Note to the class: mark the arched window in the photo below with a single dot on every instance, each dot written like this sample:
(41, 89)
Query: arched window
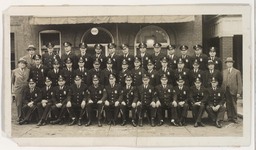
(150, 35)
(52, 36)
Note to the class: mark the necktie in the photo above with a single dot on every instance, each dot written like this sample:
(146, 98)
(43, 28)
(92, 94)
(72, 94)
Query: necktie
(31, 90)
(61, 87)
(47, 88)
(212, 58)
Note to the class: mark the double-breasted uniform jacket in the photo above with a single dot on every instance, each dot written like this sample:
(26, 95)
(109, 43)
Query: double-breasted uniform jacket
(106, 72)
(114, 93)
(169, 73)
(216, 74)
(54, 75)
(193, 74)
(172, 61)
(32, 96)
(187, 61)
(69, 75)
(144, 59)
(202, 60)
(153, 76)
(102, 59)
(83, 72)
(157, 60)
(73, 57)
(137, 76)
(92, 73)
(217, 62)
(87, 60)
(198, 95)
(129, 59)
(48, 60)
(19, 80)
(146, 95)
(38, 73)
(130, 95)
(182, 94)
(115, 59)
(122, 75)
(96, 93)
(78, 94)
(184, 73)
(48, 93)
(165, 95)
(61, 95)
(216, 97)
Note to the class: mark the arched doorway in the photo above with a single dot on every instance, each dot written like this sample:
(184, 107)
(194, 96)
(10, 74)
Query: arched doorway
(52, 36)
(97, 35)
(149, 35)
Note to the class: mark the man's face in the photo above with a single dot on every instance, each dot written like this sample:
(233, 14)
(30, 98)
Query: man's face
(50, 50)
(150, 67)
(164, 81)
(197, 84)
(98, 51)
(157, 49)
(164, 64)
(96, 66)
(112, 80)
(48, 83)
(56, 66)
(32, 85)
(143, 49)
(198, 51)
(214, 84)
(229, 64)
(95, 81)
(21, 65)
(195, 66)
(180, 65)
(69, 65)
(212, 54)
(184, 52)
(82, 50)
(128, 81)
(111, 50)
(109, 66)
(145, 81)
(78, 82)
(125, 51)
(61, 82)
(67, 48)
(37, 61)
(124, 66)
(211, 66)
(180, 83)
(136, 63)
(81, 64)
(31, 52)
(170, 52)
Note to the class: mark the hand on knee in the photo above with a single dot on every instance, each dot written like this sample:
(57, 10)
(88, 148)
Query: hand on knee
(107, 103)
(133, 105)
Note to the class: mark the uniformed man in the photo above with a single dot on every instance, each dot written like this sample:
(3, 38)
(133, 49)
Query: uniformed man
(182, 92)
(38, 71)
(60, 98)
(216, 100)
(167, 71)
(49, 57)
(137, 72)
(185, 58)
(152, 73)
(68, 72)
(212, 72)
(44, 106)
(127, 56)
(31, 96)
(196, 73)
(157, 56)
(55, 73)
(123, 73)
(143, 55)
(146, 101)
(96, 96)
(81, 70)
(107, 71)
(115, 59)
(198, 100)
(29, 57)
(86, 57)
(216, 60)
(182, 71)
(95, 71)
(129, 100)
(99, 56)
(201, 58)
(69, 54)
(112, 102)
(166, 99)
(77, 102)
(172, 57)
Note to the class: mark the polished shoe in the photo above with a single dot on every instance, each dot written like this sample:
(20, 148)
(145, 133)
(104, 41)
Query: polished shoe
(88, 123)
(72, 122)
(196, 124)
(123, 123)
(61, 122)
(180, 124)
(99, 124)
(55, 121)
(140, 123)
(174, 123)
(235, 121)
(79, 122)
(134, 124)
(153, 122)
(218, 124)
(201, 124)
(114, 122)
(23, 122)
(110, 122)
(40, 123)
(161, 122)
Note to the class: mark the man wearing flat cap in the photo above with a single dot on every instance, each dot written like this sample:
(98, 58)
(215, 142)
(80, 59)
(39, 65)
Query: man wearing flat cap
(143, 55)
(115, 59)
(172, 57)
(55, 72)
(68, 53)
(185, 57)
(38, 71)
(49, 56)
(29, 56)
(200, 57)
(212, 72)
(232, 85)
(99, 56)
(137, 72)
(157, 56)
(216, 60)
(86, 56)
(127, 56)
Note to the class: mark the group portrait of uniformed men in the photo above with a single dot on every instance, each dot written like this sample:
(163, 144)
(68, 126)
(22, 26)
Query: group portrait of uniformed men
(119, 89)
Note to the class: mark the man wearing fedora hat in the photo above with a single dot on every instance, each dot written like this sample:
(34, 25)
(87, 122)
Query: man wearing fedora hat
(232, 85)
(29, 57)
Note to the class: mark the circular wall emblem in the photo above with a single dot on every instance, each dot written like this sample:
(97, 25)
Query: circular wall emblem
(94, 31)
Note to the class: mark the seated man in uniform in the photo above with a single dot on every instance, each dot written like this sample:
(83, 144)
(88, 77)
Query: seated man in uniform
(146, 101)
(31, 96)
(216, 100)
(76, 103)
(166, 100)
(129, 100)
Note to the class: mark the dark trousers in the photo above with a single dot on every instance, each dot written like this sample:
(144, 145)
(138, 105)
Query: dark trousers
(28, 111)
(151, 112)
(112, 112)
(172, 111)
(197, 112)
(182, 112)
(231, 104)
(216, 116)
(75, 111)
(90, 107)
(125, 112)
(59, 112)
(43, 111)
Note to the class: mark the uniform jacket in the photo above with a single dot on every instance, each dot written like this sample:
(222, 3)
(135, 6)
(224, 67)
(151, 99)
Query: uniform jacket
(69, 75)
(144, 60)
(169, 73)
(154, 77)
(187, 61)
(61, 95)
(87, 60)
(48, 60)
(122, 75)
(217, 63)
(216, 97)
(202, 59)
(172, 61)
(34, 96)
(102, 59)
(130, 60)
(157, 60)
(93, 72)
(106, 74)
(78, 94)
(96, 93)
(184, 74)
(115, 61)
(114, 93)
(54, 76)
(165, 95)
(71, 55)
(83, 73)
(198, 95)
(193, 75)
(235, 84)
(19, 80)
(216, 74)
(39, 74)
(182, 94)
(137, 76)
(48, 94)
(146, 95)
(130, 95)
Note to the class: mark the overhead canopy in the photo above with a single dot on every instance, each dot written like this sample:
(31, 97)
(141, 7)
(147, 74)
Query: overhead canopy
(111, 19)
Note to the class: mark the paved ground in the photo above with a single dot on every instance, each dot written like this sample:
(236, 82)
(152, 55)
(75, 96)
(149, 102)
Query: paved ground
(31, 130)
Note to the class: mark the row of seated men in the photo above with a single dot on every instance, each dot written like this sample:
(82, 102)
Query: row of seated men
(80, 99)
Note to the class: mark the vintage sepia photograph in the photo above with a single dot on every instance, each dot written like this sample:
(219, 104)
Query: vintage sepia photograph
(128, 75)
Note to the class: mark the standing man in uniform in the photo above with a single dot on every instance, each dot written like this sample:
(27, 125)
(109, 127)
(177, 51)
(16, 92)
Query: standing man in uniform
(185, 58)
(127, 56)
(196, 73)
(123, 73)
(68, 72)
(86, 57)
(212, 72)
(201, 58)
(49, 57)
(143, 55)
(232, 85)
(69, 54)
(172, 57)
(109, 70)
(115, 59)
(29, 57)
(152, 73)
(216, 100)
(167, 71)
(96, 96)
(137, 72)
(99, 56)
(81, 70)
(216, 60)
(95, 71)
(183, 72)
(157, 56)
(55, 72)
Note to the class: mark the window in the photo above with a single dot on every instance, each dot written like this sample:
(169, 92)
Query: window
(12, 51)
(52, 36)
